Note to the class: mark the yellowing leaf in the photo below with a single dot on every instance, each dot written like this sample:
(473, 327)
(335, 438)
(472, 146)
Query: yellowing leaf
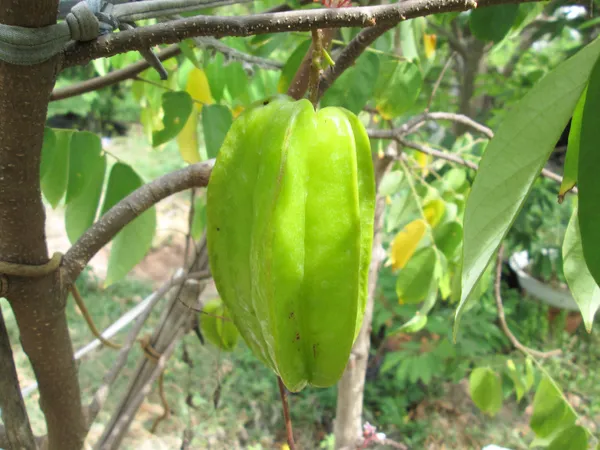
(406, 241)
(429, 40)
(198, 87)
(187, 139)
(423, 159)
(434, 211)
(285, 447)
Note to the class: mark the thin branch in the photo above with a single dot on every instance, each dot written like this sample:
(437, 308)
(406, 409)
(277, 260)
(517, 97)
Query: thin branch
(454, 42)
(511, 337)
(399, 134)
(101, 233)
(125, 417)
(352, 51)
(302, 20)
(111, 78)
(14, 415)
(102, 392)
(439, 80)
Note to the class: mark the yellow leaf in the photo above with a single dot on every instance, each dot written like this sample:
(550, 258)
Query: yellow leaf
(423, 159)
(429, 40)
(285, 447)
(187, 139)
(198, 88)
(434, 211)
(406, 241)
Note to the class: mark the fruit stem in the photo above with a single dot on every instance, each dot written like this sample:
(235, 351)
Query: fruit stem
(286, 415)
(315, 67)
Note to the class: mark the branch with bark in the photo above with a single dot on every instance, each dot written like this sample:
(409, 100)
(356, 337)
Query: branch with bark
(279, 22)
(399, 135)
(502, 318)
(106, 228)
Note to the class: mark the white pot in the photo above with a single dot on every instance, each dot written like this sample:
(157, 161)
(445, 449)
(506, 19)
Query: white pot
(558, 297)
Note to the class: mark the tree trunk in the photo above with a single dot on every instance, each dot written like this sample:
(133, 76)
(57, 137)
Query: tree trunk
(348, 417)
(38, 303)
(471, 67)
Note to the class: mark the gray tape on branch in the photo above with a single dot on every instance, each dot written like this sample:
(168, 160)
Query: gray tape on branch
(85, 21)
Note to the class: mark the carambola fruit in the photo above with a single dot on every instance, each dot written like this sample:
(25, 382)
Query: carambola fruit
(290, 210)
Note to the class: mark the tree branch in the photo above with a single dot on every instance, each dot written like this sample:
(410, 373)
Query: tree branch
(399, 133)
(111, 78)
(501, 317)
(100, 234)
(169, 32)
(17, 428)
(352, 51)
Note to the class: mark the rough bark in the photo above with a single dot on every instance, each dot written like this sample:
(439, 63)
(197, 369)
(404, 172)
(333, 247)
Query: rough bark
(348, 418)
(471, 68)
(17, 433)
(37, 302)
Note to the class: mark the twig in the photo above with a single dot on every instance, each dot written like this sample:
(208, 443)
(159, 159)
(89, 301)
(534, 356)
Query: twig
(111, 78)
(315, 67)
(399, 134)
(302, 20)
(511, 337)
(286, 414)
(14, 415)
(352, 51)
(454, 42)
(135, 402)
(100, 234)
(165, 404)
(102, 392)
(438, 81)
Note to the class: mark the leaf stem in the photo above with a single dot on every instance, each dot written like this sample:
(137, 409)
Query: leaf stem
(286, 414)
(315, 67)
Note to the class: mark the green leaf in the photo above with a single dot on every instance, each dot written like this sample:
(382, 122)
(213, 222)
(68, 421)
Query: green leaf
(350, 90)
(177, 107)
(132, 243)
(514, 158)
(85, 149)
(391, 183)
(236, 81)
(407, 40)
(216, 80)
(130, 246)
(494, 22)
(448, 238)
(572, 438)
(56, 168)
(47, 151)
(485, 387)
(86, 177)
(550, 411)
(516, 379)
(123, 180)
(588, 181)
(414, 280)
(291, 66)
(187, 47)
(397, 88)
(199, 219)
(216, 120)
(581, 283)
(572, 159)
